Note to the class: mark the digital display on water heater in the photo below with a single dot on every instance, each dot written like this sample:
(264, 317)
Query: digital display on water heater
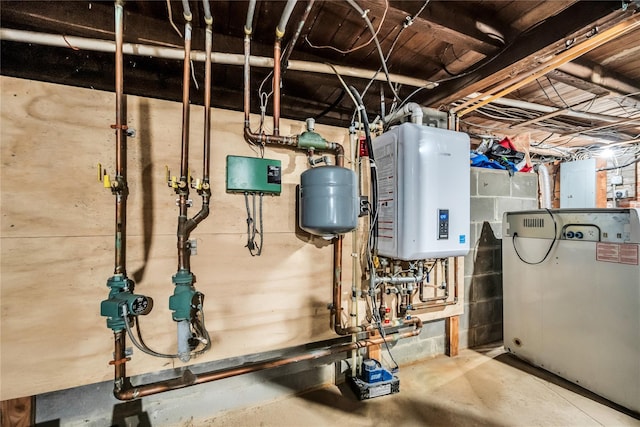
(443, 224)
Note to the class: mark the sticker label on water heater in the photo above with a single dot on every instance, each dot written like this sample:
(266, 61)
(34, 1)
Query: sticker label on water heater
(618, 253)
(387, 194)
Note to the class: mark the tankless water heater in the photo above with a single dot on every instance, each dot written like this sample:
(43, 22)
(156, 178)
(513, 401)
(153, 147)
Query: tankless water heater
(423, 192)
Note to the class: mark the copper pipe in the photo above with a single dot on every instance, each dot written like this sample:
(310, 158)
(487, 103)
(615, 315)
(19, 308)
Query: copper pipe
(454, 301)
(276, 85)
(121, 382)
(247, 54)
(186, 80)
(207, 105)
(120, 183)
(249, 136)
(183, 183)
(188, 378)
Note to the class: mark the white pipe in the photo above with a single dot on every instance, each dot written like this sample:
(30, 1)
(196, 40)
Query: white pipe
(286, 13)
(196, 55)
(599, 76)
(410, 108)
(515, 103)
(184, 333)
(248, 26)
(543, 174)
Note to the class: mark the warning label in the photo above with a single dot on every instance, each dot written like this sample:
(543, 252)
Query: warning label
(617, 252)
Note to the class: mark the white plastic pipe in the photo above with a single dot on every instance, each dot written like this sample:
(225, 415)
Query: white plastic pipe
(515, 103)
(97, 45)
(411, 108)
(543, 174)
(184, 333)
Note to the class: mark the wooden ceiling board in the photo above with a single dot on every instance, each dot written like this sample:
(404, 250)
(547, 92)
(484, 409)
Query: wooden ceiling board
(446, 32)
(540, 11)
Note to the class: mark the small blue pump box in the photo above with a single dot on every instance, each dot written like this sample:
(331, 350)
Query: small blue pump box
(373, 372)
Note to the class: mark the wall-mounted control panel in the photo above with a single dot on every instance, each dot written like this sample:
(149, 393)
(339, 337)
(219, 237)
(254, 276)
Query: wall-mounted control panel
(253, 175)
(443, 224)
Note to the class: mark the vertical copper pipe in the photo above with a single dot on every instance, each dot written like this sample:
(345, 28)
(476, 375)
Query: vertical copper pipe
(120, 183)
(207, 105)
(247, 106)
(183, 184)
(337, 284)
(120, 381)
(186, 80)
(276, 85)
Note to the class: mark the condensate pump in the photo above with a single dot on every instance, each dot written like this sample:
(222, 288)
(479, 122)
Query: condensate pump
(373, 381)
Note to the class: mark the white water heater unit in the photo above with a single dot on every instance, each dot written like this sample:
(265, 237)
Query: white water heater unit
(571, 283)
(423, 192)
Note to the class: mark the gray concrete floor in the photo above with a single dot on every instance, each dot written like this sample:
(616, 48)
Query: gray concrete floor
(479, 387)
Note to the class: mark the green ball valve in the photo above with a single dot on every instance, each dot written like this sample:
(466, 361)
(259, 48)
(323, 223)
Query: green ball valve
(119, 297)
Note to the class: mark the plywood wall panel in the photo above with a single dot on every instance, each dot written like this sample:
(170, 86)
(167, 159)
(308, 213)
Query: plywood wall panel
(57, 239)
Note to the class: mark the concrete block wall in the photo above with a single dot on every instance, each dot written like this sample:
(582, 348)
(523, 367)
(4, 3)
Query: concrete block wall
(493, 192)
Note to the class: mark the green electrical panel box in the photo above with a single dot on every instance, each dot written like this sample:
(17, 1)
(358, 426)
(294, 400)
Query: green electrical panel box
(253, 175)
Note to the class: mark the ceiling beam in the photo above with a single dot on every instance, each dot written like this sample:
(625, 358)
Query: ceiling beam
(543, 41)
(446, 21)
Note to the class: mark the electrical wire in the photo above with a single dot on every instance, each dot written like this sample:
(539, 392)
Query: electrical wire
(555, 236)
(407, 22)
(374, 174)
(142, 346)
(378, 320)
(255, 249)
(364, 16)
(344, 52)
(619, 167)
(472, 70)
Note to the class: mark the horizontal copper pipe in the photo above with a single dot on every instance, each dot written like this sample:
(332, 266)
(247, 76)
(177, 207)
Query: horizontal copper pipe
(188, 378)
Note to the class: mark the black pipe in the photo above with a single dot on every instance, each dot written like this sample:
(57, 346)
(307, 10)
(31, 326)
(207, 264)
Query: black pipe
(374, 175)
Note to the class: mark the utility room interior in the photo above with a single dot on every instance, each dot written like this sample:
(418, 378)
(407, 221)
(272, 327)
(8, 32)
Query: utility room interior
(319, 213)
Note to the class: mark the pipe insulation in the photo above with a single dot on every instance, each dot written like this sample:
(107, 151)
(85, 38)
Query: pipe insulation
(515, 103)
(543, 174)
(284, 19)
(248, 26)
(137, 49)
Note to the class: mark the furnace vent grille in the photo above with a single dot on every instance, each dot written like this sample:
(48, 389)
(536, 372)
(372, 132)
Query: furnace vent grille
(533, 222)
